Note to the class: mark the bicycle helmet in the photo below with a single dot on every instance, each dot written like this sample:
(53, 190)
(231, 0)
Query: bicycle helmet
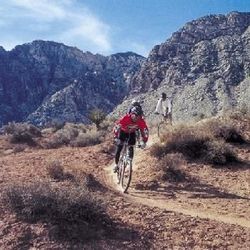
(135, 103)
(137, 111)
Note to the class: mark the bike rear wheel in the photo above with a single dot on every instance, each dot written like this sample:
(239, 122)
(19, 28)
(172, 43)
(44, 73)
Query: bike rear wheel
(126, 175)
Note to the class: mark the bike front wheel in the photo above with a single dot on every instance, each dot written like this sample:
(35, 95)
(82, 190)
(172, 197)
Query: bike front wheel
(126, 175)
(119, 172)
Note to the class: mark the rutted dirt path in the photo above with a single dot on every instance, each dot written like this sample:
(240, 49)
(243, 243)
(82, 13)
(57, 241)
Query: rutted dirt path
(168, 201)
(144, 198)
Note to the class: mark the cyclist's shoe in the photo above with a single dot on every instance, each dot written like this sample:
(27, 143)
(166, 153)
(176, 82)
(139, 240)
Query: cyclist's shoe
(115, 169)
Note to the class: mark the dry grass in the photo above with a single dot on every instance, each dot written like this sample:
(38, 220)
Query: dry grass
(76, 135)
(74, 211)
(87, 139)
(55, 170)
(219, 153)
(170, 166)
(225, 129)
(197, 142)
(22, 133)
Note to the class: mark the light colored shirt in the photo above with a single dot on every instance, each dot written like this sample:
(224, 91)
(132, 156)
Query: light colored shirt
(163, 107)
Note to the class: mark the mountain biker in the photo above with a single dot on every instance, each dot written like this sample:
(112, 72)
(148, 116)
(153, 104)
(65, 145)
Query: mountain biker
(125, 129)
(135, 103)
(164, 107)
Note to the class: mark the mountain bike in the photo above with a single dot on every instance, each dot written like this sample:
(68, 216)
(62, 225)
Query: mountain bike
(167, 120)
(124, 173)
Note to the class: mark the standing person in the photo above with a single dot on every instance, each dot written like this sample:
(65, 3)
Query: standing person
(125, 128)
(164, 107)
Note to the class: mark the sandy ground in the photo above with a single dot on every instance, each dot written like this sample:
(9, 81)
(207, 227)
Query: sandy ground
(211, 212)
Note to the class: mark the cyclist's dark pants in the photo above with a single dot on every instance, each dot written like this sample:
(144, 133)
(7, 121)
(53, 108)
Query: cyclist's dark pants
(123, 137)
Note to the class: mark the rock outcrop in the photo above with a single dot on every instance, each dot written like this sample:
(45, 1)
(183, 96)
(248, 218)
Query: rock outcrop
(41, 81)
(204, 67)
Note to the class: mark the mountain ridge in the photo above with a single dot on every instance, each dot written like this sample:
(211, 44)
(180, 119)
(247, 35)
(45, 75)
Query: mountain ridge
(204, 67)
(33, 72)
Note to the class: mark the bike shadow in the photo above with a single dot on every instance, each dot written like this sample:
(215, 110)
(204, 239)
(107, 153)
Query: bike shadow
(191, 188)
(204, 191)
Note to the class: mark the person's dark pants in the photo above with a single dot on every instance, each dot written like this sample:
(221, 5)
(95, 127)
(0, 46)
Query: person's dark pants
(131, 137)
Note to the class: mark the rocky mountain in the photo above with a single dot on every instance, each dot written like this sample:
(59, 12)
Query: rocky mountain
(204, 67)
(43, 80)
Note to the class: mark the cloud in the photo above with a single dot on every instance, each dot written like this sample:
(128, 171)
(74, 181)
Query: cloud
(88, 27)
(43, 9)
(10, 44)
(60, 20)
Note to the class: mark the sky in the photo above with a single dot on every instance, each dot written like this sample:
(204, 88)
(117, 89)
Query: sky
(104, 26)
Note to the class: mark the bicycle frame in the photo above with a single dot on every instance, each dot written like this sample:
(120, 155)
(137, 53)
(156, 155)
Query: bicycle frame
(164, 121)
(124, 173)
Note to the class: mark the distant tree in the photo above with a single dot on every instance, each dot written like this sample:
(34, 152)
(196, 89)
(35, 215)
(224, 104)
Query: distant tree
(97, 116)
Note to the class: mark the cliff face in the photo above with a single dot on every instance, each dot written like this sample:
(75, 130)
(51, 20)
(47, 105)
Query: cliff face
(33, 76)
(204, 67)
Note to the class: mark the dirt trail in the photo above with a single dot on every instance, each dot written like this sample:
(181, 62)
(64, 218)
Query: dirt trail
(155, 199)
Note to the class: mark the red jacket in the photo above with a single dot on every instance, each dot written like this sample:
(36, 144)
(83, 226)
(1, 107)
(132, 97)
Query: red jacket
(128, 126)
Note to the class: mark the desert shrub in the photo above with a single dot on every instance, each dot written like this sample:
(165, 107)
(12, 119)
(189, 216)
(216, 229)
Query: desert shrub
(157, 150)
(187, 140)
(70, 134)
(22, 133)
(18, 128)
(239, 114)
(62, 137)
(19, 148)
(230, 134)
(97, 116)
(106, 125)
(87, 139)
(81, 128)
(55, 170)
(57, 140)
(35, 131)
(170, 166)
(225, 129)
(195, 143)
(56, 124)
(21, 137)
(42, 201)
(219, 153)
(9, 128)
(72, 130)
